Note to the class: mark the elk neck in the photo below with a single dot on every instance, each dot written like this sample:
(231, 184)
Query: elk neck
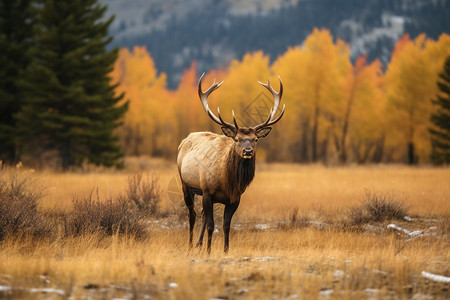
(240, 173)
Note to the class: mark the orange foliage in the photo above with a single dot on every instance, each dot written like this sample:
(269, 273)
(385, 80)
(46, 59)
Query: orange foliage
(404, 40)
(146, 91)
(315, 76)
(363, 117)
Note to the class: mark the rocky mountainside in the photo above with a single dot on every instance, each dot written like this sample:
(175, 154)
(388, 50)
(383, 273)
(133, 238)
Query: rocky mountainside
(213, 32)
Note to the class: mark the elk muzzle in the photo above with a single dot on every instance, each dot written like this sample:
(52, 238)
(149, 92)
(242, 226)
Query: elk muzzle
(247, 153)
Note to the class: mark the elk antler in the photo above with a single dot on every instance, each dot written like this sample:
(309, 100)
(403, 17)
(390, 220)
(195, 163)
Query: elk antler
(204, 98)
(276, 103)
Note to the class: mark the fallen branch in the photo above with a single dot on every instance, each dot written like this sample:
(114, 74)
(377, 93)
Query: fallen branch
(434, 277)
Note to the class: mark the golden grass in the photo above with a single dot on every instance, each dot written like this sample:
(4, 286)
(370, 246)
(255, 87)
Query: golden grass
(279, 188)
(277, 263)
(260, 265)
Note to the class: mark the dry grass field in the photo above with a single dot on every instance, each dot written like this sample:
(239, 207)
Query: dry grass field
(301, 232)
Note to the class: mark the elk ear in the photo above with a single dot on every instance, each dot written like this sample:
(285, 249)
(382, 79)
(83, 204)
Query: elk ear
(229, 132)
(263, 132)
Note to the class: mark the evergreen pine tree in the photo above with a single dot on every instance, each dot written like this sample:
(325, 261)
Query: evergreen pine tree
(16, 32)
(71, 107)
(440, 133)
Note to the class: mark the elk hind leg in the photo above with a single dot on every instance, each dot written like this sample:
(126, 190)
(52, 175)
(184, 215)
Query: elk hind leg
(208, 213)
(202, 232)
(189, 200)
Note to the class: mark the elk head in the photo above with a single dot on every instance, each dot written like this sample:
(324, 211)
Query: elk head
(245, 138)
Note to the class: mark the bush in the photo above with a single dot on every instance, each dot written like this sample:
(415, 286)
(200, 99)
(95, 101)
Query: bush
(122, 214)
(19, 201)
(377, 207)
(109, 217)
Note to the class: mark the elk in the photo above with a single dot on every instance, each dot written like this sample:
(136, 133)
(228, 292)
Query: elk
(220, 167)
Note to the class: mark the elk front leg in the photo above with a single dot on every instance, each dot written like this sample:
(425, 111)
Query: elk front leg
(208, 214)
(227, 215)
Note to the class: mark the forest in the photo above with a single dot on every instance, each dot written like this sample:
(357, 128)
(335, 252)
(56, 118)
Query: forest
(69, 100)
(337, 111)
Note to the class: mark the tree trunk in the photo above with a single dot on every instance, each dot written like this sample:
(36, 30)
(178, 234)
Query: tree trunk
(410, 146)
(411, 153)
(343, 152)
(315, 131)
(379, 150)
(65, 154)
(304, 142)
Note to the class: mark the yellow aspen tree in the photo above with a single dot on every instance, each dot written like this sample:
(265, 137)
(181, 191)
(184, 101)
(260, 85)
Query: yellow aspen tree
(136, 75)
(294, 129)
(188, 105)
(363, 122)
(326, 67)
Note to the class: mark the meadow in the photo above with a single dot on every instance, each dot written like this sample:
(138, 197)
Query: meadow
(301, 232)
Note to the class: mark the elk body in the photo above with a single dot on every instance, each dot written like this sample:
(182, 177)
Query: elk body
(220, 167)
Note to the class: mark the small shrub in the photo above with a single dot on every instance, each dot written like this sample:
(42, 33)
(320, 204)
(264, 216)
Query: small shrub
(377, 207)
(145, 194)
(122, 214)
(19, 201)
(109, 217)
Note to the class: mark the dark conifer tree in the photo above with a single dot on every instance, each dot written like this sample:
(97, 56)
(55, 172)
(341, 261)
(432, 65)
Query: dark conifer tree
(71, 107)
(16, 32)
(440, 132)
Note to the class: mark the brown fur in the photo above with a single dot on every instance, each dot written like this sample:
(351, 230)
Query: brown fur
(208, 162)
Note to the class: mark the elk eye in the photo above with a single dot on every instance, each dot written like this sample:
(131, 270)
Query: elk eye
(256, 140)
(236, 140)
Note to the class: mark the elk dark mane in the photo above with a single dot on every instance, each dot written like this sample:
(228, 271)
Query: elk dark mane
(240, 173)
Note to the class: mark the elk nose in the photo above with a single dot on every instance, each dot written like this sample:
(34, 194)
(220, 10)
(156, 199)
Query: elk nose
(248, 152)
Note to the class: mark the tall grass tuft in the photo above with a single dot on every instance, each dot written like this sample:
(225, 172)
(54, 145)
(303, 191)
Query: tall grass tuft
(144, 193)
(377, 207)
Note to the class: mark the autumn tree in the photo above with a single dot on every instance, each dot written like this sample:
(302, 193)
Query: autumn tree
(71, 107)
(317, 71)
(189, 112)
(440, 131)
(361, 120)
(295, 127)
(137, 77)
